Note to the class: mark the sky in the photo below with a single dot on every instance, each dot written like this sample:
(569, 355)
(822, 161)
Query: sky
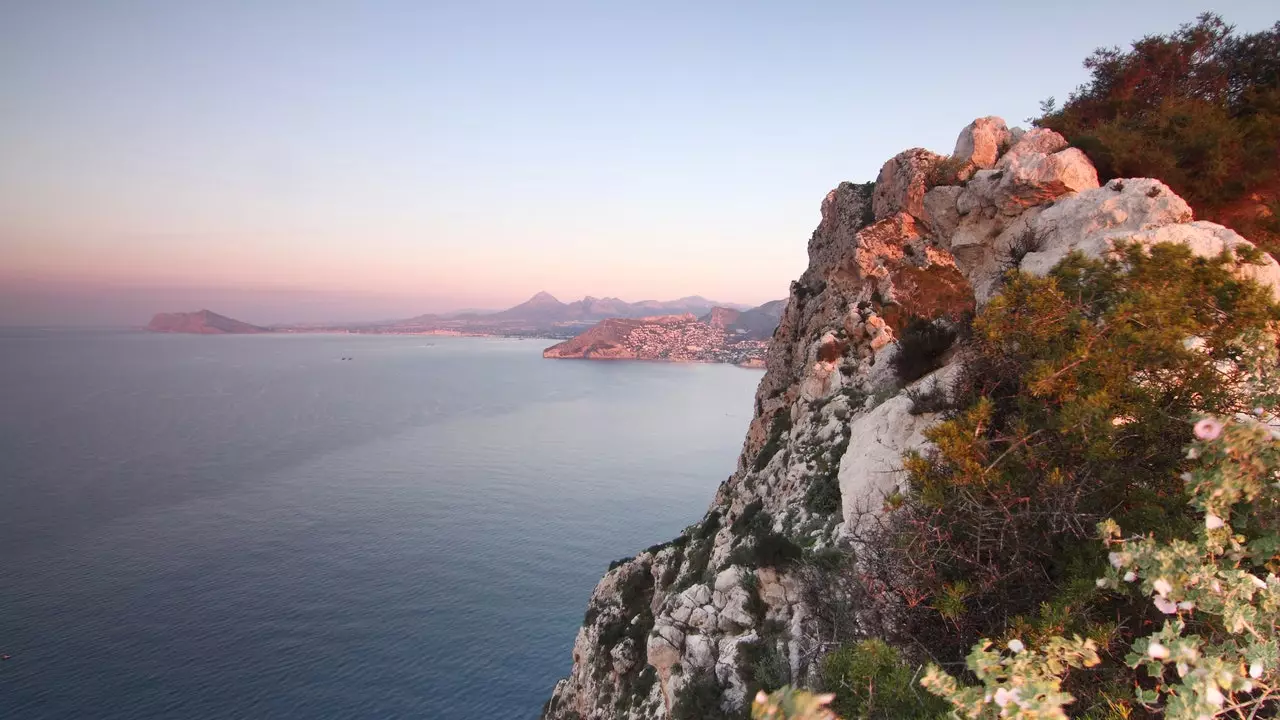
(318, 160)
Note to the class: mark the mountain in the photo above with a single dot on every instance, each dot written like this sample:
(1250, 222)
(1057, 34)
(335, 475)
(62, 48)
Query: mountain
(201, 322)
(778, 573)
(756, 323)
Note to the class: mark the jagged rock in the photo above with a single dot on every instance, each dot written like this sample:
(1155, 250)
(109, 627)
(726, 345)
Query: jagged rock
(1037, 141)
(704, 618)
(624, 656)
(872, 464)
(699, 652)
(901, 184)
(1088, 221)
(1206, 239)
(698, 594)
(728, 579)
(941, 215)
(981, 141)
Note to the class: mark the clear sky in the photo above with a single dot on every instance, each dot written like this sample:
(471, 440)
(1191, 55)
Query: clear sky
(355, 159)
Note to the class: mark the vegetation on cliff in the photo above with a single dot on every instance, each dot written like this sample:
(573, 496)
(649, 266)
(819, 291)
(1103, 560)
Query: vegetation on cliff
(1198, 108)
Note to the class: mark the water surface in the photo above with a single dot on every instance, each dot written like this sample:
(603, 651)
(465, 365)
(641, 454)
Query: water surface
(251, 526)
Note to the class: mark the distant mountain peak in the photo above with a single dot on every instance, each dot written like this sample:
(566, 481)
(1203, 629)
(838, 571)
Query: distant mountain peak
(544, 297)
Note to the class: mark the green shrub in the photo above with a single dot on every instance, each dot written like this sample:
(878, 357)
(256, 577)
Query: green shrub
(1074, 398)
(1217, 653)
(761, 666)
(699, 699)
(871, 680)
(779, 427)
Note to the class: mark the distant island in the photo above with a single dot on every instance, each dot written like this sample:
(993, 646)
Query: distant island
(202, 322)
(726, 335)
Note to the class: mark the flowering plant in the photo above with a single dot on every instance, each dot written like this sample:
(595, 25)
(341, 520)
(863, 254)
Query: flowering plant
(1217, 584)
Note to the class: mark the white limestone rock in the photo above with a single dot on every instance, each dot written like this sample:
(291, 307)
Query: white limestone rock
(981, 141)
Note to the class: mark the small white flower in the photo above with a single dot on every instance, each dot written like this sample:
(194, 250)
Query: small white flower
(1166, 606)
(1213, 522)
(1186, 605)
(1016, 645)
(1214, 695)
(1217, 586)
(761, 697)
(1258, 411)
(1100, 582)
(1258, 582)
(1156, 651)
(1161, 586)
(1130, 576)
(1255, 670)
(1118, 560)
(1005, 696)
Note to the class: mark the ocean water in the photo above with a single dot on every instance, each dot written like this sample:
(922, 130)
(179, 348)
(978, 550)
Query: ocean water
(253, 527)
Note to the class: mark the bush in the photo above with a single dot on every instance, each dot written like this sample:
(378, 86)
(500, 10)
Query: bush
(871, 680)
(762, 667)
(920, 348)
(1074, 400)
(779, 427)
(1214, 582)
(1198, 108)
(699, 699)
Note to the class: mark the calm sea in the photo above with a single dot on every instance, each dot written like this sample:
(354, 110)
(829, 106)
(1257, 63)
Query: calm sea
(253, 527)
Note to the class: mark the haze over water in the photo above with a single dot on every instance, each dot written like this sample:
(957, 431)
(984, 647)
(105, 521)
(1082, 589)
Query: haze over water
(250, 526)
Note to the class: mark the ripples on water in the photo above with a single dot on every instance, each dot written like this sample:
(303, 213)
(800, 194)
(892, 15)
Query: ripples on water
(249, 526)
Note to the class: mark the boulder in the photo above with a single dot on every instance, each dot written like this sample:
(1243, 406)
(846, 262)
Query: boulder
(1037, 141)
(728, 579)
(872, 465)
(981, 141)
(623, 656)
(941, 215)
(901, 185)
(1206, 239)
(1088, 221)
(699, 652)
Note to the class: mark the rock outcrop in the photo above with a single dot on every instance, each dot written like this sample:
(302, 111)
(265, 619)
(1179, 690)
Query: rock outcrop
(832, 418)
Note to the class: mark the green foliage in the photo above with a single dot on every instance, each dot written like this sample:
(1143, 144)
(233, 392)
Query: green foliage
(1198, 108)
(1209, 583)
(871, 680)
(752, 519)
(762, 667)
(768, 549)
(699, 698)
(1073, 405)
(823, 495)
(920, 348)
(780, 426)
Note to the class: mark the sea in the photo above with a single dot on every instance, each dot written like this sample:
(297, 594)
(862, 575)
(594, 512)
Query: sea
(327, 526)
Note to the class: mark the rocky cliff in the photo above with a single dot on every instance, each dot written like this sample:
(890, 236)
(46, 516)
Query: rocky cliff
(201, 322)
(692, 621)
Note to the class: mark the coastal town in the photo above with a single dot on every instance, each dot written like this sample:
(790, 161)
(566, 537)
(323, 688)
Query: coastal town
(672, 338)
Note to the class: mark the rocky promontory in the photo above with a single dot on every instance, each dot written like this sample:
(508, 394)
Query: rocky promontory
(688, 627)
(202, 322)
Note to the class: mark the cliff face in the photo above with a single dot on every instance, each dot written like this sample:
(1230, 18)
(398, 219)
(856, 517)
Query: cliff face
(202, 322)
(832, 420)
